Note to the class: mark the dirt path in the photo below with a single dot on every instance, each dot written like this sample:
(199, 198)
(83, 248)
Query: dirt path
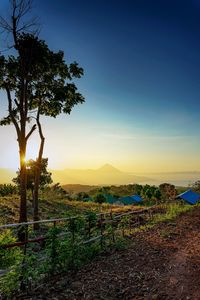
(163, 263)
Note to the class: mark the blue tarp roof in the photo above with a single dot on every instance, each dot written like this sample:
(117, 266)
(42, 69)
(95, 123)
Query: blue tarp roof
(136, 198)
(190, 197)
(130, 199)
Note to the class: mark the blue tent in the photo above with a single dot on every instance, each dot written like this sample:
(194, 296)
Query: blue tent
(130, 200)
(136, 198)
(189, 196)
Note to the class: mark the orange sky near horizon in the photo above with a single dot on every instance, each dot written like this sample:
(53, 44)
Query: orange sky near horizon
(69, 145)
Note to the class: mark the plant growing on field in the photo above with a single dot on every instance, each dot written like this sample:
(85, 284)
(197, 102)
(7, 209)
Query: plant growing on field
(10, 261)
(8, 189)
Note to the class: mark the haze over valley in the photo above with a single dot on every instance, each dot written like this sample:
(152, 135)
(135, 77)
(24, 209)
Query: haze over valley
(108, 174)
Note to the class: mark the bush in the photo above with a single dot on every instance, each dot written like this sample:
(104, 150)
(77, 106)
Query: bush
(10, 261)
(8, 189)
(100, 198)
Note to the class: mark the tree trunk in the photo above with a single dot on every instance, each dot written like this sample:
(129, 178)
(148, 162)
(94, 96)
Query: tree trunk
(37, 175)
(23, 179)
(23, 208)
(32, 195)
(36, 184)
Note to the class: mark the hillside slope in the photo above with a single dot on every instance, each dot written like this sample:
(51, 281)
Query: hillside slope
(162, 263)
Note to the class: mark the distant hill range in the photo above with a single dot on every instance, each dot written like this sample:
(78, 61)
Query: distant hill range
(6, 175)
(109, 175)
(105, 175)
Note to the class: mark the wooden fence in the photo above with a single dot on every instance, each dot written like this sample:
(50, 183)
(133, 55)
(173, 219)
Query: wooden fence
(98, 228)
(104, 218)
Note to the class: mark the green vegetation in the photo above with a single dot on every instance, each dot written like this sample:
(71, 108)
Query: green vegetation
(56, 202)
(151, 194)
(66, 245)
(8, 189)
(171, 212)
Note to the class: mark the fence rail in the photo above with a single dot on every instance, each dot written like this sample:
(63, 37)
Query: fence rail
(55, 220)
(37, 222)
(138, 211)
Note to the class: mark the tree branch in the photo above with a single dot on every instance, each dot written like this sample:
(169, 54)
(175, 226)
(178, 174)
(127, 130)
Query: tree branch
(20, 9)
(30, 132)
(10, 109)
(16, 102)
(39, 124)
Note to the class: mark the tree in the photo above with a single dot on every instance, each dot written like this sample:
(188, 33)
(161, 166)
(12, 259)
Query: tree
(14, 80)
(35, 82)
(196, 186)
(138, 189)
(81, 196)
(45, 176)
(53, 96)
(100, 198)
(157, 195)
(168, 191)
(148, 193)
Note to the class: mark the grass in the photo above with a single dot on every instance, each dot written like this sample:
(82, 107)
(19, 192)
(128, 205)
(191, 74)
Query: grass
(54, 208)
(172, 211)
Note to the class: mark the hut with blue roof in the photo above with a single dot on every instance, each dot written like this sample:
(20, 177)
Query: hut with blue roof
(189, 196)
(130, 200)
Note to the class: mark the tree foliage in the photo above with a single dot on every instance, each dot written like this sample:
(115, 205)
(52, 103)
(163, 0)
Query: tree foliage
(196, 186)
(100, 198)
(45, 176)
(168, 191)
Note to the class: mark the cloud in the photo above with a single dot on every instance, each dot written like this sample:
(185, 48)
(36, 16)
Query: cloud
(117, 136)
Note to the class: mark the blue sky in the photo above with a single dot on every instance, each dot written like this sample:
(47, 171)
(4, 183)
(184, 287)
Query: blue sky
(142, 83)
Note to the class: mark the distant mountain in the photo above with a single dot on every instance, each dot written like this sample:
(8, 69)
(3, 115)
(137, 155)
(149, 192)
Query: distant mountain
(109, 168)
(6, 175)
(105, 175)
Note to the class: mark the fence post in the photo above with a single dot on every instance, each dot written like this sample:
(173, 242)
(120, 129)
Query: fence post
(130, 229)
(89, 228)
(112, 225)
(22, 283)
(122, 226)
(21, 233)
(72, 241)
(53, 249)
(101, 228)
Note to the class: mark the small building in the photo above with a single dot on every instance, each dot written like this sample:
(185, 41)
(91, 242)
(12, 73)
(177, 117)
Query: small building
(189, 196)
(130, 200)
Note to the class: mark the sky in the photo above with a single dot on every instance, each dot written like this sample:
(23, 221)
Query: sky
(141, 84)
